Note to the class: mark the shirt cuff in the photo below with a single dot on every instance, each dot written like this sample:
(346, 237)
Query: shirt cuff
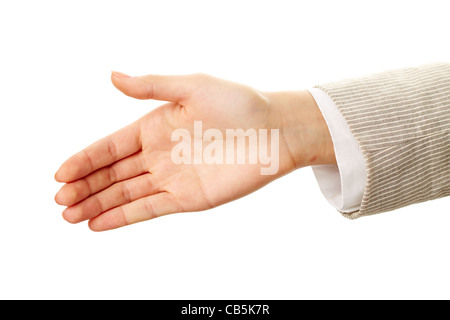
(342, 184)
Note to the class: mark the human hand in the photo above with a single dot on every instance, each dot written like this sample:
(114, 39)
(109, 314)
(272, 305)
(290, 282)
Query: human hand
(131, 176)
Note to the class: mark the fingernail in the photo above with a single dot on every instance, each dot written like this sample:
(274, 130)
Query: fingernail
(120, 75)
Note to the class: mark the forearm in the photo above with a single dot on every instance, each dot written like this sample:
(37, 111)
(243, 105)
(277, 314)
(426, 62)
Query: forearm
(400, 119)
(304, 135)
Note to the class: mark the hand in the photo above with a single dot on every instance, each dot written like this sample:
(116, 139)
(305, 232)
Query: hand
(130, 176)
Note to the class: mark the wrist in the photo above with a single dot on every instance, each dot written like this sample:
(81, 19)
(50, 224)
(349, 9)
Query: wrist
(304, 135)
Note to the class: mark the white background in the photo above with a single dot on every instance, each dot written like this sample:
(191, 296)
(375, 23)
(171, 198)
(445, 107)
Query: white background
(282, 242)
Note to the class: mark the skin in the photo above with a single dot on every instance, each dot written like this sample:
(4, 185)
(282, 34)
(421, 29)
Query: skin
(129, 176)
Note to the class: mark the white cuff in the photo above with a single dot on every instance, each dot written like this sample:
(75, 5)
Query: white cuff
(342, 185)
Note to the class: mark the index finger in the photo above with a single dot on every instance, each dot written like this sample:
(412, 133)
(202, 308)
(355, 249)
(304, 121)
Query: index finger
(102, 153)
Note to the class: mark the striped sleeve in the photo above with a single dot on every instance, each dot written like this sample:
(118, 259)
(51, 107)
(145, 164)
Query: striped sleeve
(401, 121)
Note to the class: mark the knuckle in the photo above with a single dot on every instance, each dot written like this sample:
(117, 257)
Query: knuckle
(112, 150)
(149, 210)
(201, 77)
(126, 193)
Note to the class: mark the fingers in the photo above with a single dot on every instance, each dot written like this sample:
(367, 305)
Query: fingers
(167, 88)
(100, 154)
(116, 195)
(142, 209)
(76, 191)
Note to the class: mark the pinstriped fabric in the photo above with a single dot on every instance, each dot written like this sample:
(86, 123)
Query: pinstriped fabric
(401, 120)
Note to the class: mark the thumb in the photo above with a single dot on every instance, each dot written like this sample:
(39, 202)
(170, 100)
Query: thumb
(167, 88)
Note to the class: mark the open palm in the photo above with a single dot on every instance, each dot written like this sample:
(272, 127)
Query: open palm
(130, 175)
